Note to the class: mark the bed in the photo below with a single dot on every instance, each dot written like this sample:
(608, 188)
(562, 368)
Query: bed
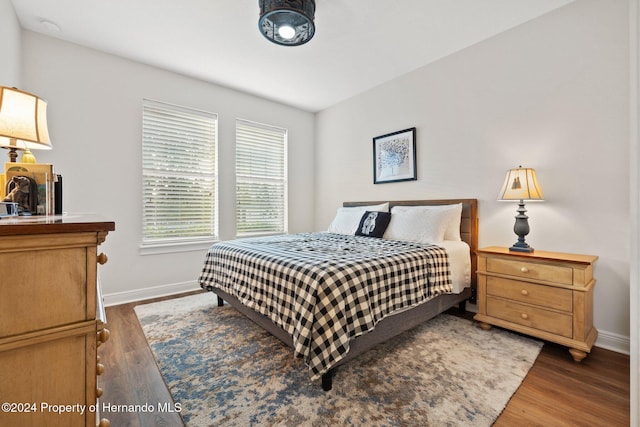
(332, 296)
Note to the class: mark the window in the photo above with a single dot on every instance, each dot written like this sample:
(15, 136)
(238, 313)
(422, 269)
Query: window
(261, 179)
(179, 181)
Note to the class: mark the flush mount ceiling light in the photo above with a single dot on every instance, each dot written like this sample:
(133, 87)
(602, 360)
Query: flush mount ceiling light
(287, 22)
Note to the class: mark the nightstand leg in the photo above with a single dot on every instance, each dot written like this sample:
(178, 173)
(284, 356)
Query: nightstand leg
(484, 326)
(577, 355)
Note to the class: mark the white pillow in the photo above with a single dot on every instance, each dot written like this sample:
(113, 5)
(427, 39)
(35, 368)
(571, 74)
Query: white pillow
(417, 225)
(347, 220)
(454, 215)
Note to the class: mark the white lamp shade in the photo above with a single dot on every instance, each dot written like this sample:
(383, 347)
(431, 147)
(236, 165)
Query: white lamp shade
(521, 184)
(23, 120)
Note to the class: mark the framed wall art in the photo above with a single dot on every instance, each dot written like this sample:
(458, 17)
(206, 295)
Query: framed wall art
(394, 157)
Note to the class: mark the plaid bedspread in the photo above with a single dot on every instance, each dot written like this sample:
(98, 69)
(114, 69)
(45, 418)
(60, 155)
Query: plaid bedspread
(325, 289)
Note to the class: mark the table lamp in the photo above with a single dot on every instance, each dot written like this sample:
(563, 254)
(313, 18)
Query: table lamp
(23, 123)
(521, 184)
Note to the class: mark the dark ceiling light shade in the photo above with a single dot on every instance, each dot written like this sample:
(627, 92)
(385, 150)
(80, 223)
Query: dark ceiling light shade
(287, 22)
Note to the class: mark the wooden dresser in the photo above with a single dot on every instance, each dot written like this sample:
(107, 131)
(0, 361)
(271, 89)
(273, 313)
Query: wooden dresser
(548, 295)
(50, 321)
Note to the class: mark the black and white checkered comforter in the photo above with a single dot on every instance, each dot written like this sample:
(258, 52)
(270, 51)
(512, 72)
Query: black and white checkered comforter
(325, 289)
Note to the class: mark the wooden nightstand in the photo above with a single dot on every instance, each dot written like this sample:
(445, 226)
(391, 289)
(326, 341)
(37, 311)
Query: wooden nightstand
(548, 295)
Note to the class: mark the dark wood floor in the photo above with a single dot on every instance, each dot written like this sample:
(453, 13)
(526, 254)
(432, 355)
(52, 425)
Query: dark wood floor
(556, 392)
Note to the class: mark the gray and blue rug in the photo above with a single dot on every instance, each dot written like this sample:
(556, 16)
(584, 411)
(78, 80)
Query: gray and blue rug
(225, 371)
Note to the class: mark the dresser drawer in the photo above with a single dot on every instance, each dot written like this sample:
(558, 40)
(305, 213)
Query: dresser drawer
(48, 289)
(544, 296)
(30, 370)
(531, 270)
(533, 317)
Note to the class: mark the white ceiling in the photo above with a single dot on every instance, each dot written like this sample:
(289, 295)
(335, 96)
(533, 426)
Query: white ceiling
(358, 44)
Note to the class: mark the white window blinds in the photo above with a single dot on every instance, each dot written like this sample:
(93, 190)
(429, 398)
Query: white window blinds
(178, 174)
(261, 179)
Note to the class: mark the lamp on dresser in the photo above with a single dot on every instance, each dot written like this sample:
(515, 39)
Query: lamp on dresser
(521, 184)
(23, 123)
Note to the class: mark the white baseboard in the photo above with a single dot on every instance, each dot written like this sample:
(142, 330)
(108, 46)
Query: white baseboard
(148, 293)
(613, 342)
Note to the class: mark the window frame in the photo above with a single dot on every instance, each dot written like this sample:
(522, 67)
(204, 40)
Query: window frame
(284, 179)
(150, 246)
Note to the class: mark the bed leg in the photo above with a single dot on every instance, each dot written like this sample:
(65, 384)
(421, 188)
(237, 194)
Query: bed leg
(462, 307)
(327, 380)
(220, 301)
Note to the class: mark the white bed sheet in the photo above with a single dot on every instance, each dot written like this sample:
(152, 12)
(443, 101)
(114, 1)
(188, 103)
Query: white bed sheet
(459, 263)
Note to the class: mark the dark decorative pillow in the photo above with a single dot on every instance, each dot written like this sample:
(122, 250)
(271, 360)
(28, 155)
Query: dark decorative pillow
(373, 224)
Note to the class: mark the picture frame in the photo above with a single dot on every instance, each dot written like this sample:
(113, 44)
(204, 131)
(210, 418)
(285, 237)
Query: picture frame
(42, 174)
(394, 157)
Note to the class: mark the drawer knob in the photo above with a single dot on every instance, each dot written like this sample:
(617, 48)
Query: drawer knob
(98, 392)
(525, 316)
(102, 258)
(99, 369)
(104, 423)
(524, 269)
(524, 292)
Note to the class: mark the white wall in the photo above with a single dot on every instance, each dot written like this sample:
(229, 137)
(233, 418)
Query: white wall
(95, 111)
(552, 94)
(9, 46)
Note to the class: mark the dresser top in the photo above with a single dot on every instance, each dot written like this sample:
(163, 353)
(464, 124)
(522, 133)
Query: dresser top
(47, 224)
(542, 255)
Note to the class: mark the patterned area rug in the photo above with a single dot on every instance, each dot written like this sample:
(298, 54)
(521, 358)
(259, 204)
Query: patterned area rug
(226, 371)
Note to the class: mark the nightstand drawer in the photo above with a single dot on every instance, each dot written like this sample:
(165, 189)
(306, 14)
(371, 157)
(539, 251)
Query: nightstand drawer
(531, 270)
(545, 296)
(538, 318)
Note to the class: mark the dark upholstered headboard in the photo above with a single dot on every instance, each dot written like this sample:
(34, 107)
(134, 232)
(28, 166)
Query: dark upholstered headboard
(468, 224)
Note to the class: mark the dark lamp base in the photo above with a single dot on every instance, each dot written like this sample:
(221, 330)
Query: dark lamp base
(521, 228)
(516, 248)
